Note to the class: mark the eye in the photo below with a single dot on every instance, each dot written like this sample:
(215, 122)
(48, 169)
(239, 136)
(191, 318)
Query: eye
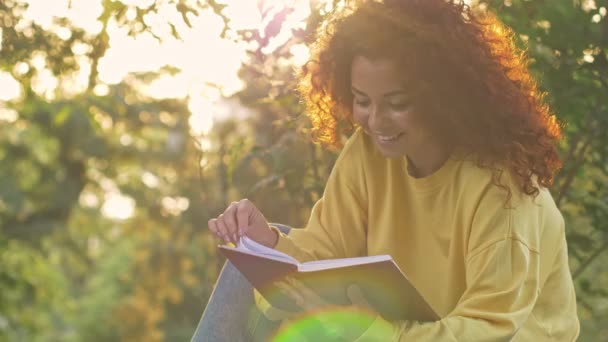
(362, 102)
(399, 106)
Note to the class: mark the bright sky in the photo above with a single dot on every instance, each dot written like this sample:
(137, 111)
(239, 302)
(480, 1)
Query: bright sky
(208, 64)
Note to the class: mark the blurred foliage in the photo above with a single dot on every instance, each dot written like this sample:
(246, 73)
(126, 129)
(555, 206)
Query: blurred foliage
(69, 271)
(568, 43)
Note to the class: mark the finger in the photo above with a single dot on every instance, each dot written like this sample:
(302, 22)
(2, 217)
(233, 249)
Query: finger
(212, 224)
(310, 297)
(230, 221)
(300, 287)
(275, 314)
(356, 297)
(287, 291)
(292, 293)
(244, 209)
(222, 228)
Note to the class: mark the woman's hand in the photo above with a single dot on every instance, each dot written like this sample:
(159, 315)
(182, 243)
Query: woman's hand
(243, 218)
(303, 296)
(310, 301)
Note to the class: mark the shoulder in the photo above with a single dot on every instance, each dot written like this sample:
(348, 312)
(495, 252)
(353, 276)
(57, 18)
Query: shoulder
(496, 216)
(538, 221)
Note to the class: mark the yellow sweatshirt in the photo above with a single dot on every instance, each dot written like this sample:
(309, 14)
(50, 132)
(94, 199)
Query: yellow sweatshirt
(492, 273)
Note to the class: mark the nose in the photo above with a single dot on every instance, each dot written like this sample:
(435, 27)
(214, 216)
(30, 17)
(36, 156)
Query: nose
(377, 119)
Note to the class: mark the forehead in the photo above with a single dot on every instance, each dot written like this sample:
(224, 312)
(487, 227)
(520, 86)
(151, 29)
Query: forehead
(374, 76)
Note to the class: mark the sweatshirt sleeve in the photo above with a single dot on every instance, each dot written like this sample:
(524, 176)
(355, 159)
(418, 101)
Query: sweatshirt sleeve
(337, 224)
(502, 288)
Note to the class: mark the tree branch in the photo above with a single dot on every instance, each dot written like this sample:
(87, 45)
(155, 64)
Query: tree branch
(589, 260)
(576, 164)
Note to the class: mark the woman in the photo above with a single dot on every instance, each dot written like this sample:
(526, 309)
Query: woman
(447, 171)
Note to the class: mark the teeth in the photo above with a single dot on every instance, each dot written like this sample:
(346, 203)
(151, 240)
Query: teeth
(388, 137)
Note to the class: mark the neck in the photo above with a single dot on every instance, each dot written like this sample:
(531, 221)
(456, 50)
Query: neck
(424, 163)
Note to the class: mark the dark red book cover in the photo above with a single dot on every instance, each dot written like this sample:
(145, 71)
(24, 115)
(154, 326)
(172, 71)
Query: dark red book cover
(383, 284)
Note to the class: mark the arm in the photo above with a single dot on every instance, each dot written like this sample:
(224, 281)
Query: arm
(502, 289)
(510, 251)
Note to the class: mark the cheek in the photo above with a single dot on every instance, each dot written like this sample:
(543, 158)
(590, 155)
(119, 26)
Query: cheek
(403, 119)
(409, 119)
(360, 117)
(415, 128)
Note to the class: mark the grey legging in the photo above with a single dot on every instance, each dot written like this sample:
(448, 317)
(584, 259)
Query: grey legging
(231, 314)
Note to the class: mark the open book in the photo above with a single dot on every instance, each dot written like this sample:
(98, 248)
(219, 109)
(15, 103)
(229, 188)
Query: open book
(383, 284)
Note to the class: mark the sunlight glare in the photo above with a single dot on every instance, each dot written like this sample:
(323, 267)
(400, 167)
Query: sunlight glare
(295, 20)
(201, 117)
(244, 15)
(10, 89)
(301, 54)
(45, 84)
(167, 86)
(201, 56)
(101, 90)
(175, 205)
(150, 179)
(8, 115)
(82, 13)
(21, 68)
(78, 81)
(43, 12)
(138, 3)
(117, 206)
(88, 199)
(128, 54)
(588, 5)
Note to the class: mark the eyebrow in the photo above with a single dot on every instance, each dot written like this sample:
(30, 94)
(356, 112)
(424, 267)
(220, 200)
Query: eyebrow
(389, 94)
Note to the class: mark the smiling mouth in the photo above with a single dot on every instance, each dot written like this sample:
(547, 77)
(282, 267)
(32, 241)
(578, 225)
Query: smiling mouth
(388, 138)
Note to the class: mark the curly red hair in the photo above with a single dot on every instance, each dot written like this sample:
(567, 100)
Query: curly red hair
(464, 73)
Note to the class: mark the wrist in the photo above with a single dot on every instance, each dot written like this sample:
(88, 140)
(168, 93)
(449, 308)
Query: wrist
(272, 238)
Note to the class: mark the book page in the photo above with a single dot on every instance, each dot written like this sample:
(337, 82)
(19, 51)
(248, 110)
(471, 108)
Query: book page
(250, 245)
(344, 262)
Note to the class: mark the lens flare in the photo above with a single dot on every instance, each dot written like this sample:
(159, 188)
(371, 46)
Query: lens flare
(325, 325)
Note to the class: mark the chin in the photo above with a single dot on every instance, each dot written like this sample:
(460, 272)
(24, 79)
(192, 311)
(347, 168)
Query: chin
(390, 153)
